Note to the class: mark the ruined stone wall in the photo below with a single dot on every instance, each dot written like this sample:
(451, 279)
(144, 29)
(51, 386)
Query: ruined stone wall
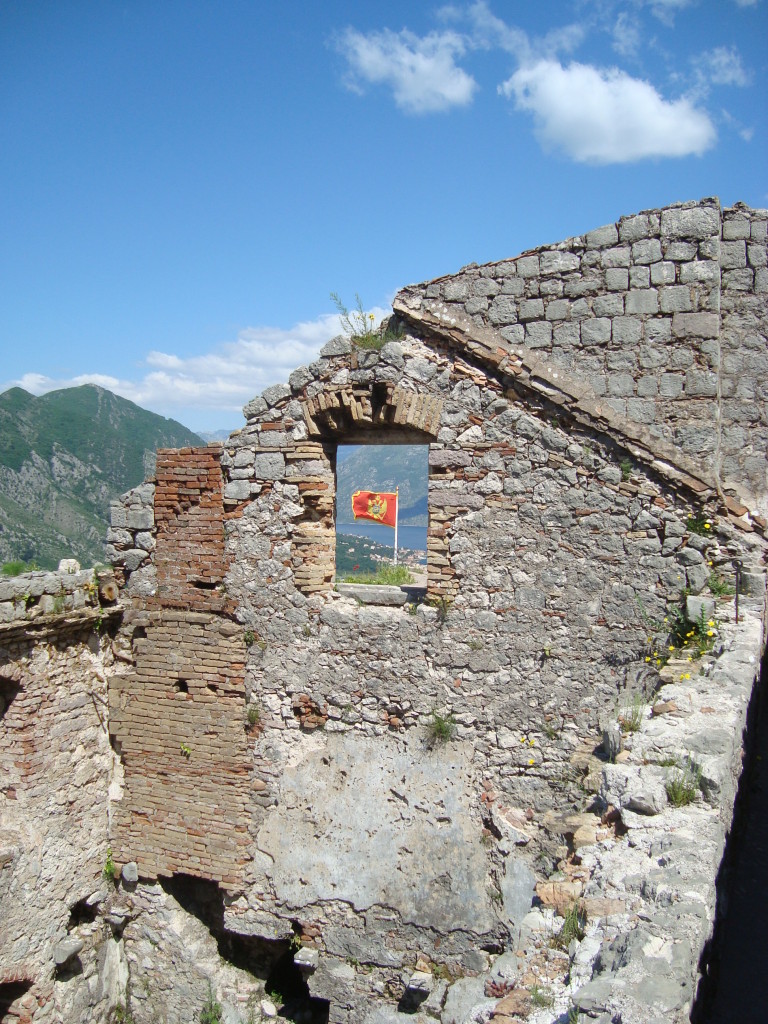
(576, 494)
(55, 772)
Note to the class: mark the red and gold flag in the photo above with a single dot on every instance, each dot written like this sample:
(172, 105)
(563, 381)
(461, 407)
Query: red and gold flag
(380, 506)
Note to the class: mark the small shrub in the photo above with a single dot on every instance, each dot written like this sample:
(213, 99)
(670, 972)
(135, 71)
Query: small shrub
(670, 761)
(249, 638)
(357, 324)
(185, 751)
(442, 606)
(541, 997)
(550, 730)
(441, 728)
(684, 784)
(109, 870)
(120, 1015)
(718, 586)
(698, 637)
(17, 567)
(700, 524)
(212, 1011)
(574, 923)
(626, 468)
(631, 715)
(254, 714)
(58, 604)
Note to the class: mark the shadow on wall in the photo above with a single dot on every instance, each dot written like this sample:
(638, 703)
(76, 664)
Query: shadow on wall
(267, 959)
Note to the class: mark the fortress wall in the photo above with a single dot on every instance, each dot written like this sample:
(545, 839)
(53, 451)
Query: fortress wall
(572, 508)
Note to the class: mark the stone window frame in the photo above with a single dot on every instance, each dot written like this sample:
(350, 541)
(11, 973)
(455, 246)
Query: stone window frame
(378, 413)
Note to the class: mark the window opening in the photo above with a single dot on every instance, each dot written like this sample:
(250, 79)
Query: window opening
(365, 550)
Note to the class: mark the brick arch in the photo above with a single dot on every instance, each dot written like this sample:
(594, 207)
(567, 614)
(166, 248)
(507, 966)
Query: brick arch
(336, 413)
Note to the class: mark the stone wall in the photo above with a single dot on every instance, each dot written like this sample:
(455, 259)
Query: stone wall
(639, 312)
(284, 779)
(567, 521)
(55, 773)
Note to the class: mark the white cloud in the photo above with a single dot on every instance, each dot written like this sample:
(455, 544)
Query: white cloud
(665, 10)
(213, 387)
(747, 3)
(721, 66)
(626, 35)
(605, 116)
(422, 72)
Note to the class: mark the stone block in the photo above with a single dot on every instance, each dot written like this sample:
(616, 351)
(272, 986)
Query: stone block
(642, 301)
(646, 250)
(237, 490)
(475, 304)
(676, 299)
(757, 255)
(696, 223)
(558, 263)
(733, 255)
(269, 466)
(700, 384)
(663, 273)
(647, 387)
(528, 266)
(639, 277)
(627, 330)
(736, 227)
(617, 279)
(278, 392)
(632, 229)
(338, 346)
(558, 309)
(700, 272)
(538, 334)
(608, 305)
(670, 385)
(140, 519)
(531, 309)
(696, 325)
(621, 385)
(456, 290)
(300, 378)
(503, 310)
(596, 331)
(738, 280)
(679, 251)
(599, 238)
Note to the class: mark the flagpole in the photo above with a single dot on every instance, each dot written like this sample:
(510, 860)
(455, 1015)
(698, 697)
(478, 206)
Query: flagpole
(397, 513)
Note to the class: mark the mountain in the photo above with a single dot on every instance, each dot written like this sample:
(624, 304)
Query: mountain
(63, 457)
(383, 467)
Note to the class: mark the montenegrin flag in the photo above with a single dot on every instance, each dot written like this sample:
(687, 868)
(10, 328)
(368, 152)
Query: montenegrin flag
(380, 506)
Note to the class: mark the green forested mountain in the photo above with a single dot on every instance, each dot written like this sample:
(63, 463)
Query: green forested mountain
(383, 467)
(63, 457)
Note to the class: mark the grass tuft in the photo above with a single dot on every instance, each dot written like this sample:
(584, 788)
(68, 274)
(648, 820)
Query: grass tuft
(387, 576)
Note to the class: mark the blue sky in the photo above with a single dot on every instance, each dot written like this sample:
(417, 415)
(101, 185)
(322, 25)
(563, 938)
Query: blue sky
(182, 184)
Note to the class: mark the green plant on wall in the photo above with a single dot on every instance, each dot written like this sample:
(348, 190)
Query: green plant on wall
(109, 870)
(441, 728)
(212, 1011)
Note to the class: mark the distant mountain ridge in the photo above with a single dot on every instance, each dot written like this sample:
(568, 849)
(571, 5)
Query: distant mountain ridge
(384, 467)
(63, 457)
